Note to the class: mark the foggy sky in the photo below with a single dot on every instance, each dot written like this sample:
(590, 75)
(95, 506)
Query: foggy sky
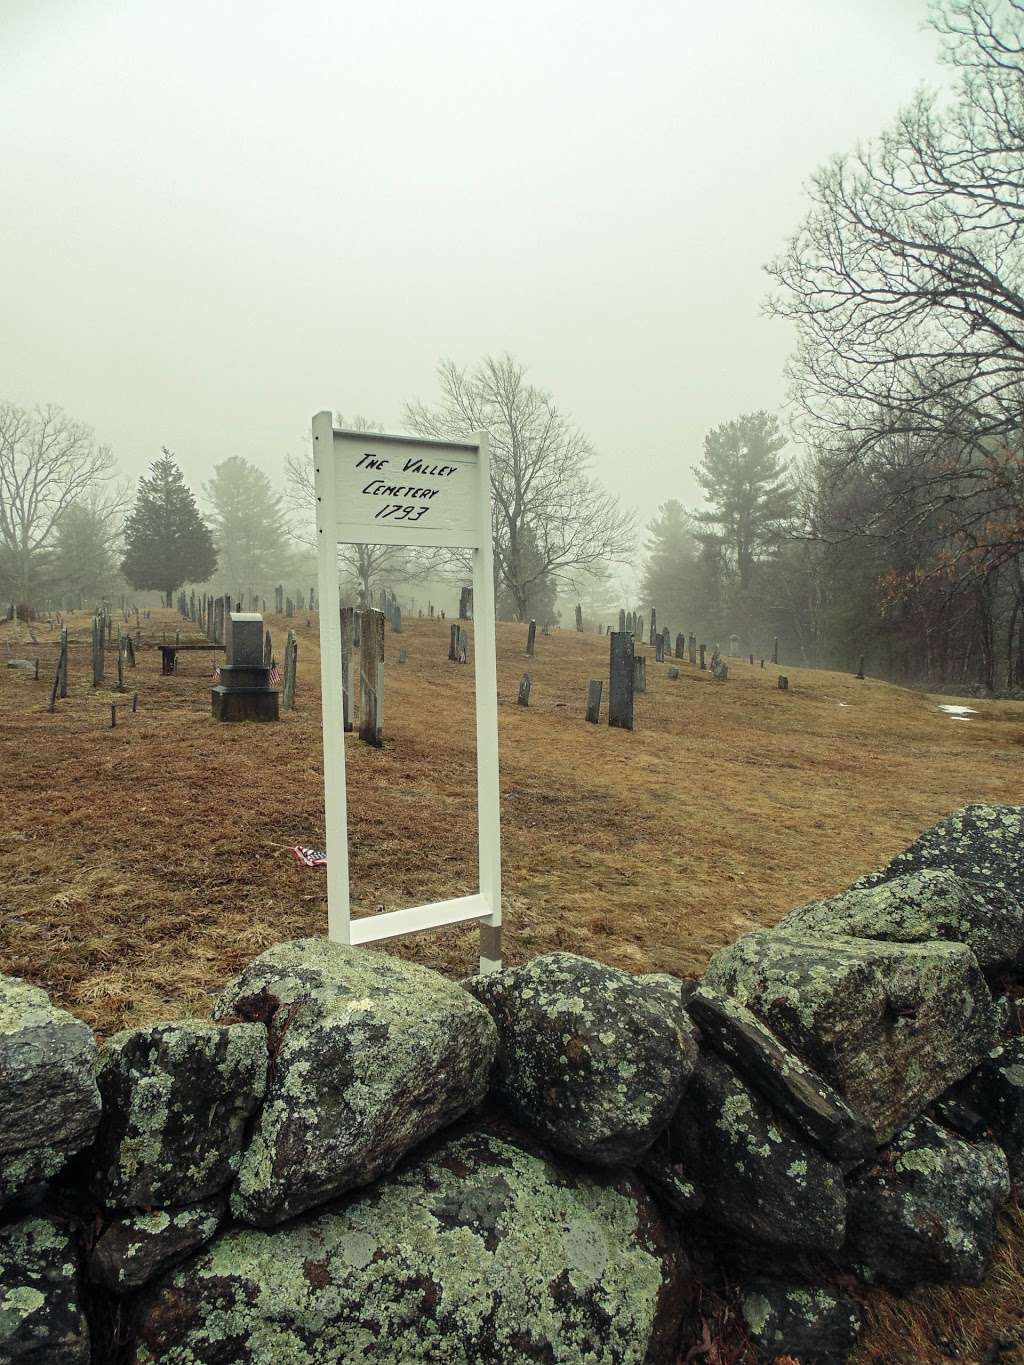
(220, 216)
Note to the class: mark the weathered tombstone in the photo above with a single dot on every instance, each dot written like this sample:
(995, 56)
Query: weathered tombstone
(654, 628)
(466, 604)
(692, 647)
(531, 638)
(97, 650)
(579, 616)
(430, 610)
(734, 646)
(622, 621)
(720, 670)
(244, 691)
(640, 673)
(716, 657)
(702, 664)
(680, 647)
(620, 679)
(594, 689)
(462, 646)
(783, 683)
(751, 661)
(659, 648)
(371, 679)
(347, 700)
(523, 697)
(453, 643)
(289, 607)
(396, 618)
(860, 668)
(673, 673)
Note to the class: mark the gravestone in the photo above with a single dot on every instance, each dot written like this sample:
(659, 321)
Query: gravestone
(620, 679)
(524, 690)
(654, 628)
(371, 679)
(692, 645)
(783, 683)
(640, 673)
(673, 673)
(466, 604)
(244, 691)
(622, 621)
(659, 648)
(702, 664)
(579, 616)
(594, 689)
(531, 639)
(775, 651)
(860, 668)
(680, 646)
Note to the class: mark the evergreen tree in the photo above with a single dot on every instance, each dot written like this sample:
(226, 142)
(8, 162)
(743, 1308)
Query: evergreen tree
(532, 595)
(747, 489)
(85, 559)
(167, 543)
(249, 524)
(672, 549)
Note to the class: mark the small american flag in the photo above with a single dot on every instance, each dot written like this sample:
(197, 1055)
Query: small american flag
(275, 674)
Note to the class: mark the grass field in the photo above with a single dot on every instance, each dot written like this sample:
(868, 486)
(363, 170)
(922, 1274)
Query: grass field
(141, 867)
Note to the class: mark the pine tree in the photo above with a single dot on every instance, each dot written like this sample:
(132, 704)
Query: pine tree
(84, 559)
(167, 543)
(746, 486)
(248, 521)
(672, 551)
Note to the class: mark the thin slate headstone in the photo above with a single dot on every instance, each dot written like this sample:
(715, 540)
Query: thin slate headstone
(579, 616)
(371, 679)
(680, 646)
(620, 679)
(860, 668)
(702, 664)
(531, 639)
(659, 648)
(640, 673)
(654, 628)
(692, 647)
(523, 697)
(594, 690)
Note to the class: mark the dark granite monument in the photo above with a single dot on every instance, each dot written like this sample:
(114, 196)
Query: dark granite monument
(244, 691)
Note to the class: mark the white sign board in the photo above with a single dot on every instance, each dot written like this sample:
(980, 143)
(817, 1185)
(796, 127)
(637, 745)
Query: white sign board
(399, 490)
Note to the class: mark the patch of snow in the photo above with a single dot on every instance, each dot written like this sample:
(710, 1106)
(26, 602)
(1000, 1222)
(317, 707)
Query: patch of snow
(959, 712)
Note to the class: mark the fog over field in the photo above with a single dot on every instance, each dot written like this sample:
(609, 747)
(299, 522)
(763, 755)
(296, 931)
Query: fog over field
(219, 219)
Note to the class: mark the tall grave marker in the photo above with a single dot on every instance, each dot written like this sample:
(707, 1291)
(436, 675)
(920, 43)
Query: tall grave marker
(400, 490)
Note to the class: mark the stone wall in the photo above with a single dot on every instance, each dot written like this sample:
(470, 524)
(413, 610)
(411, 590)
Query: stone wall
(356, 1158)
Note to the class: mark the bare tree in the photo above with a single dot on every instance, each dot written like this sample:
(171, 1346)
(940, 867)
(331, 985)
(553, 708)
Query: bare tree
(550, 520)
(48, 462)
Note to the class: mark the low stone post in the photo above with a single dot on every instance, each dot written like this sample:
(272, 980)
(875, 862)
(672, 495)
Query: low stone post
(594, 689)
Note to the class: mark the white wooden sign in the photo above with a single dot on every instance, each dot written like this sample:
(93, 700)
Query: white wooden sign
(400, 490)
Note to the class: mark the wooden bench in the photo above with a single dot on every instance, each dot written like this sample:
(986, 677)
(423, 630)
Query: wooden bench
(167, 653)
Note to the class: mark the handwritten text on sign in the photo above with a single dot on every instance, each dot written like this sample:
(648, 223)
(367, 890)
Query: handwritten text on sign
(394, 491)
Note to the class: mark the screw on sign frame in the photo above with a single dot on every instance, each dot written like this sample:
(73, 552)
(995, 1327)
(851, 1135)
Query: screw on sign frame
(402, 490)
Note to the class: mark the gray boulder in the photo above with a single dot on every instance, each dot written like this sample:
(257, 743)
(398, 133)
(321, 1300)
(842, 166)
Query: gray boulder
(49, 1104)
(888, 1025)
(484, 1249)
(133, 1250)
(371, 1056)
(816, 1325)
(980, 842)
(927, 1210)
(176, 1101)
(793, 1088)
(758, 1176)
(41, 1316)
(996, 1093)
(590, 1058)
(931, 905)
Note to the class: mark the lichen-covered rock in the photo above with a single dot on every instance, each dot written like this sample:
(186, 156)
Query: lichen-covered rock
(758, 1176)
(931, 905)
(371, 1055)
(131, 1251)
(793, 1088)
(980, 842)
(483, 1250)
(41, 1317)
(814, 1324)
(888, 1025)
(49, 1104)
(590, 1058)
(176, 1100)
(996, 1092)
(927, 1210)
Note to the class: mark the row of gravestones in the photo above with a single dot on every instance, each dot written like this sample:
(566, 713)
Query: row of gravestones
(358, 1157)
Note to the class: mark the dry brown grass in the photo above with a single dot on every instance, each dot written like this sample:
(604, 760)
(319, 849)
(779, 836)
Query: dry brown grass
(142, 867)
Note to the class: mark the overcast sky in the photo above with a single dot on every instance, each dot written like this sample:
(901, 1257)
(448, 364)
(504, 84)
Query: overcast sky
(219, 216)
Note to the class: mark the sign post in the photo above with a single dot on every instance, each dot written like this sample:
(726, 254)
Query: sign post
(373, 489)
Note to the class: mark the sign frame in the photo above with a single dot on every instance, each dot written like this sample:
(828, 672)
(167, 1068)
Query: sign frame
(334, 526)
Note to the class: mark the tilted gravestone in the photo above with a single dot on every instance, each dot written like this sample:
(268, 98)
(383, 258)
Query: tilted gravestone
(594, 689)
(524, 690)
(244, 691)
(620, 679)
